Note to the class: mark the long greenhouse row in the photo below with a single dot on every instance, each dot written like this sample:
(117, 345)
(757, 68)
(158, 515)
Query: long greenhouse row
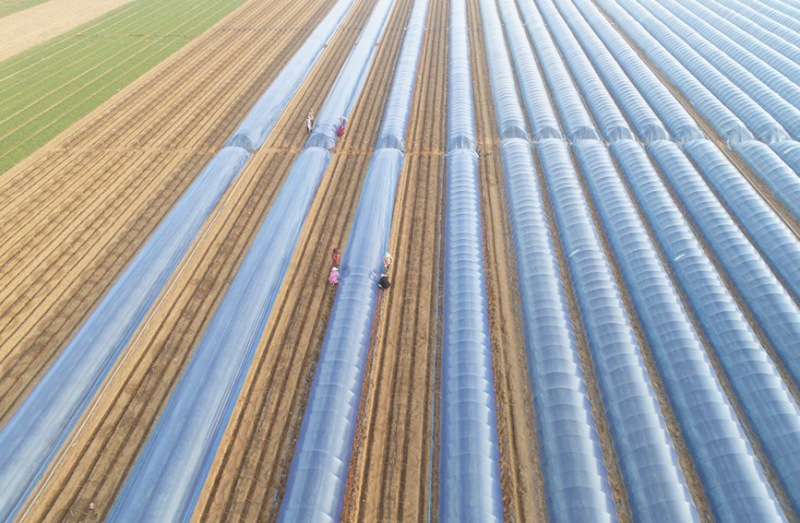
(648, 154)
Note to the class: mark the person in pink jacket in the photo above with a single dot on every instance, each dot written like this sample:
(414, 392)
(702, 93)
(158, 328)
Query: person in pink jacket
(333, 277)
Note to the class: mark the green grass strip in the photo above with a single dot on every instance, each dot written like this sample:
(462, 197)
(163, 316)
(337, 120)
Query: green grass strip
(8, 7)
(49, 87)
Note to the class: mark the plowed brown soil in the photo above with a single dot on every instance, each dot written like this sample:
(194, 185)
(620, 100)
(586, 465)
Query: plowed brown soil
(393, 465)
(100, 453)
(74, 213)
(25, 29)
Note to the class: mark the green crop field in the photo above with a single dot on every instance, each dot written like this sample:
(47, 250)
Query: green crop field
(8, 7)
(49, 87)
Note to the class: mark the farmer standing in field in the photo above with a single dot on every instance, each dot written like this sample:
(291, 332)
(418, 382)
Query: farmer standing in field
(383, 282)
(340, 128)
(310, 121)
(333, 277)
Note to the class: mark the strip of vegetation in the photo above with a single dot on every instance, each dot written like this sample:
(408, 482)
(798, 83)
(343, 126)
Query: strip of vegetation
(8, 7)
(47, 88)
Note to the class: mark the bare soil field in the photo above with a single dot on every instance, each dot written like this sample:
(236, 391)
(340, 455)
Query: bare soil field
(25, 29)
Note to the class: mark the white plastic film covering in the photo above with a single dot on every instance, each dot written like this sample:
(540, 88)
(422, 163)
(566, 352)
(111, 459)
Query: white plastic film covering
(318, 472)
(608, 116)
(779, 246)
(531, 84)
(789, 151)
(774, 35)
(653, 479)
(682, 127)
(768, 405)
(674, 56)
(731, 474)
(779, 177)
(350, 80)
(720, 116)
(575, 478)
(469, 458)
(574, 115)
(714, 24)
(398, 105)
(57, 401)
(770, 303)
(648, 126)
(319, 468)
(510, 118)
(765, 86)
(469, 473)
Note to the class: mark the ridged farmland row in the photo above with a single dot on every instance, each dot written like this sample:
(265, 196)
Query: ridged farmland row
(200, 404)
(67, 388)
(71, 85)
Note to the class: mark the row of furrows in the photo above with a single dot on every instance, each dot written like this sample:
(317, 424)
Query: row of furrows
(79, 202)
(392, 466)
(137, 117)
(51, 307)
(154, 360)
(93, 468)
(120, 217)
(250, 469)
(143, 120)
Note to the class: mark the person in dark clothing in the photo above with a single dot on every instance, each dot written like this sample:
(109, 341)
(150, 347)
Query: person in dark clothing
(336, 256)
(384, 283)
